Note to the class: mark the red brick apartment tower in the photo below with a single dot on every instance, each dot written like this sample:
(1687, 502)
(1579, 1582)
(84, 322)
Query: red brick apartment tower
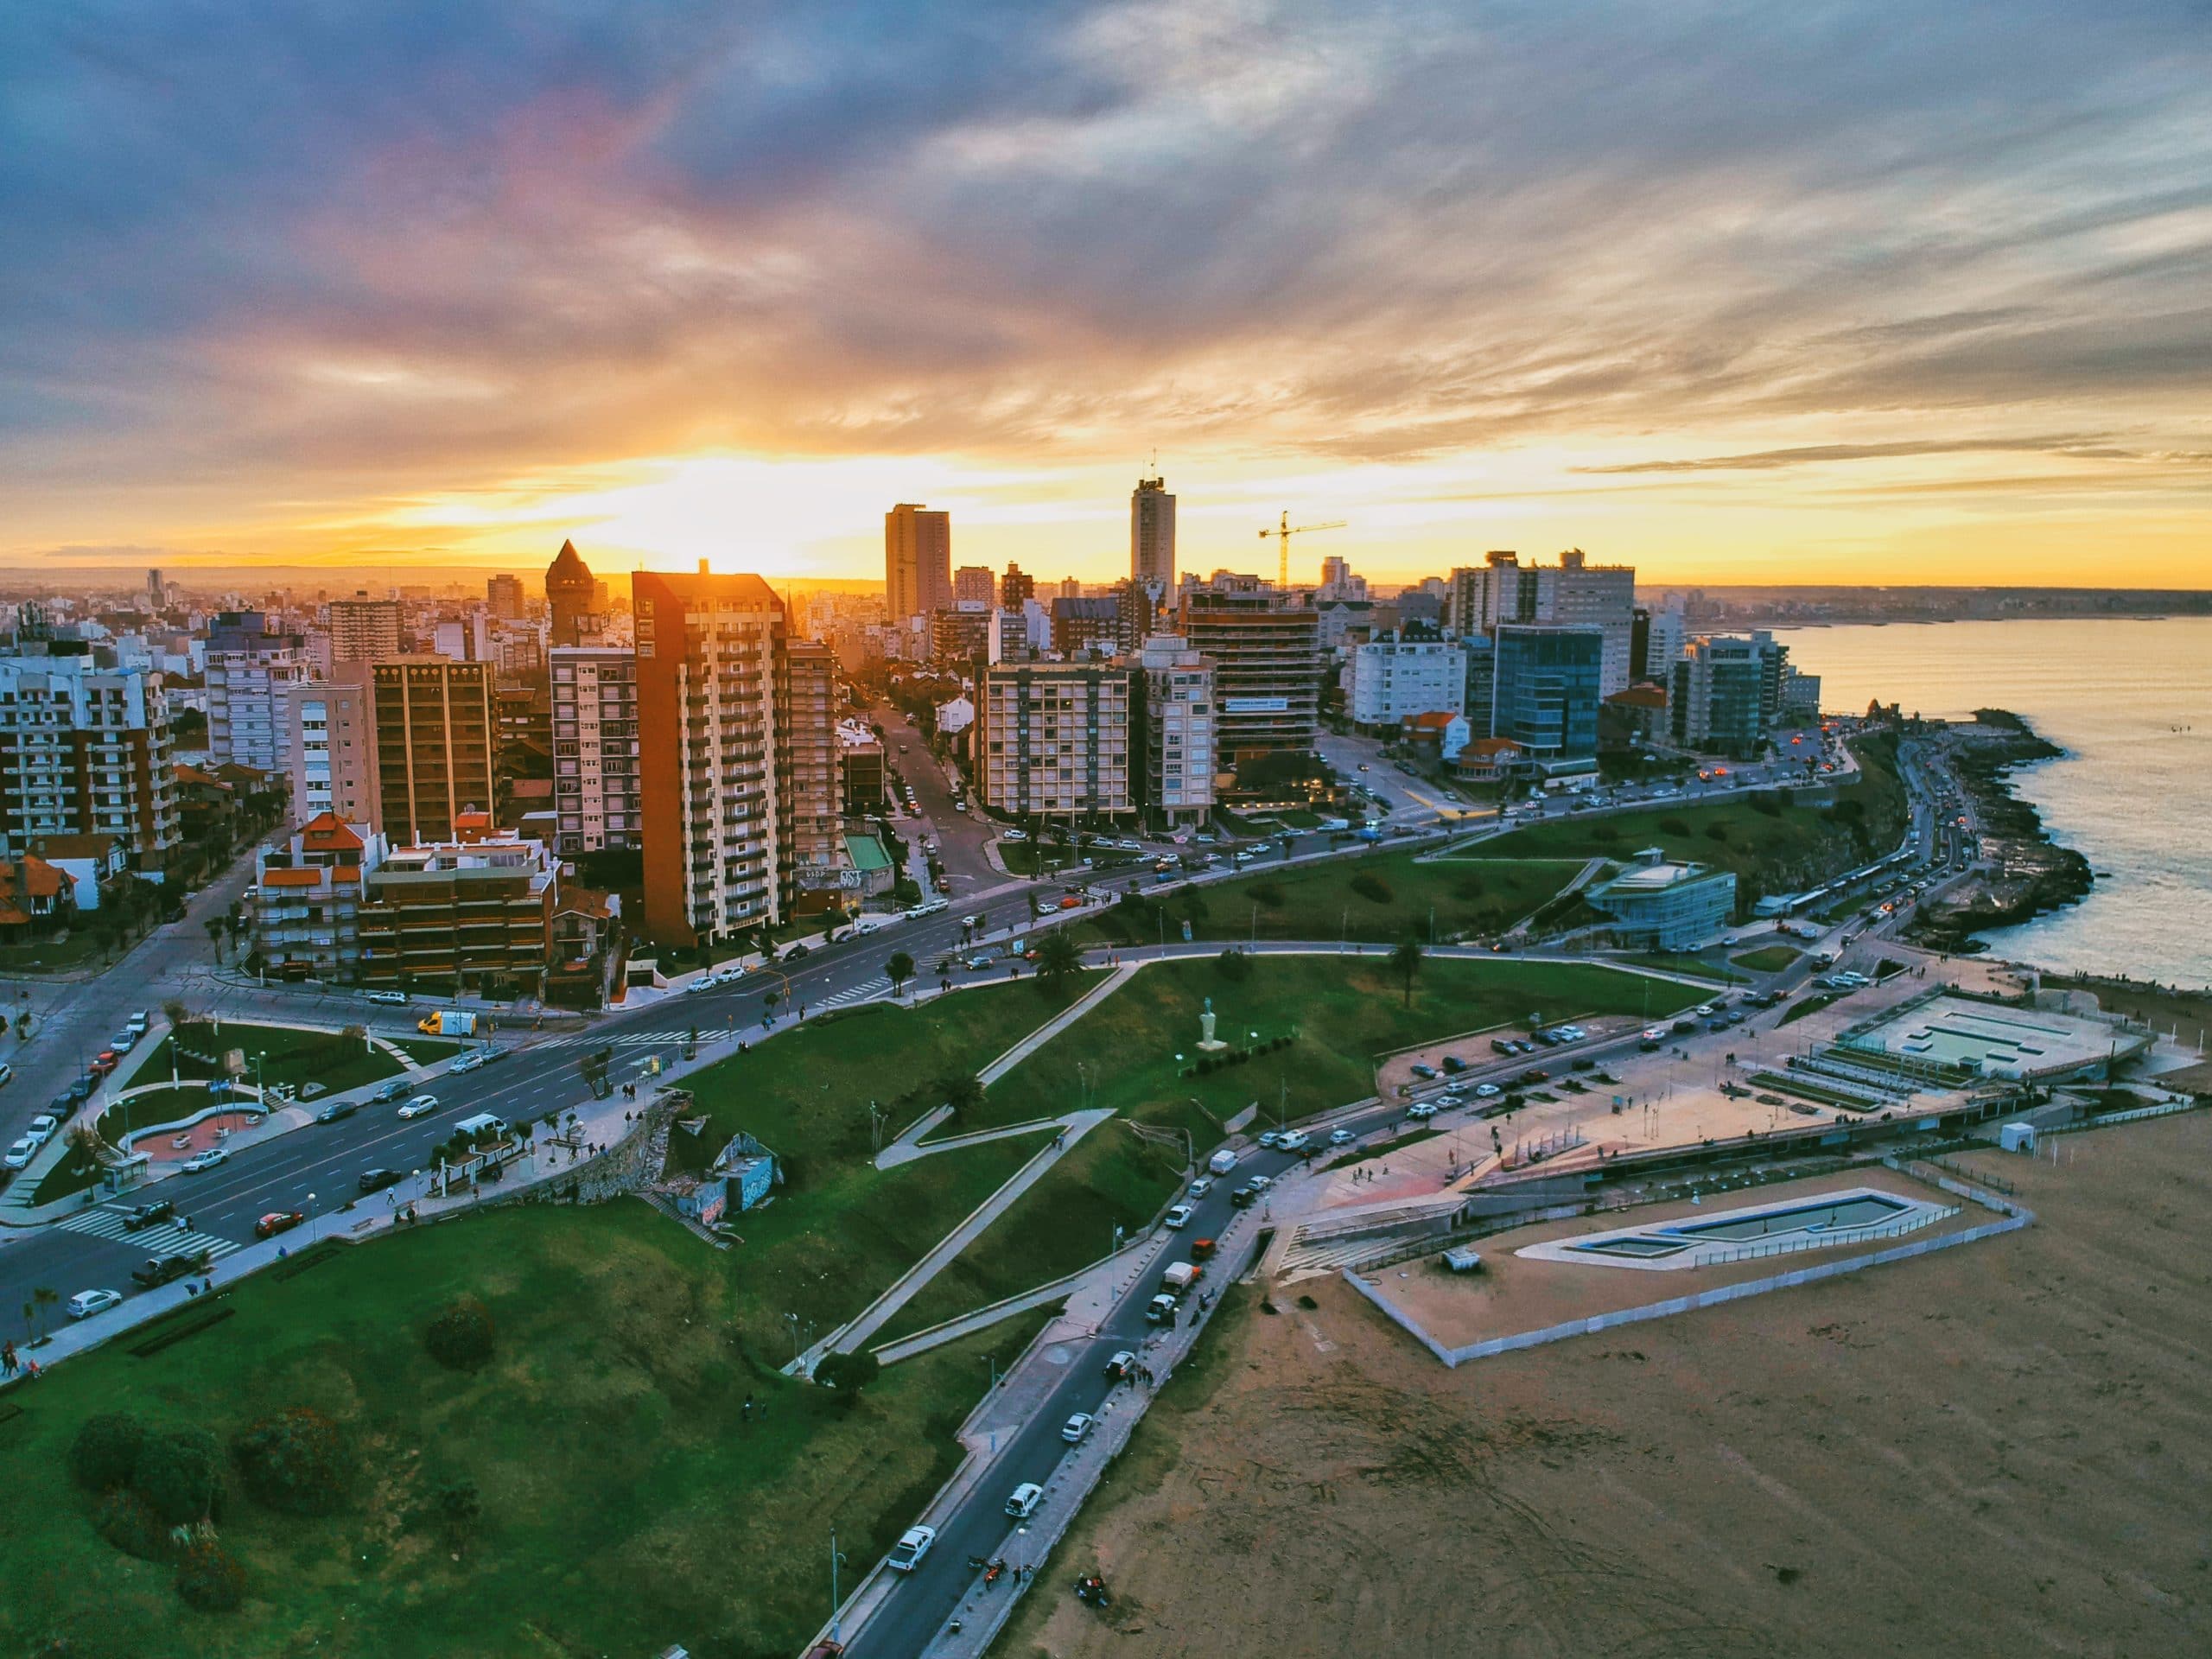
(711, 669)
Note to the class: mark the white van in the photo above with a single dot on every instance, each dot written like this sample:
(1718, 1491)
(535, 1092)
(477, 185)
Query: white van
(480, 1122)
(1222, 1162)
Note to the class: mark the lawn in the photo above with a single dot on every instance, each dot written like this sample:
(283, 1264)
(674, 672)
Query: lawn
(164, 1106)
(52, 953)
(1110, 1178)
(1768, 958)
(1032, 858)
(1683, 962)
(627, 1498)
(1773, 843)
(337, 1062)
(1377, 898)
(426, 1050)
(1806, 1005)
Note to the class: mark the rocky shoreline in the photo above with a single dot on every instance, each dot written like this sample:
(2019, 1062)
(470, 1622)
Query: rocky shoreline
(2034, 873)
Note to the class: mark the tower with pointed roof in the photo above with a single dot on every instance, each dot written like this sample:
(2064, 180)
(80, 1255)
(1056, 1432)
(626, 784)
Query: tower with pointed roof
(569, 589)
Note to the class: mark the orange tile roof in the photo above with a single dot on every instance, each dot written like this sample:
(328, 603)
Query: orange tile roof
(291, 878)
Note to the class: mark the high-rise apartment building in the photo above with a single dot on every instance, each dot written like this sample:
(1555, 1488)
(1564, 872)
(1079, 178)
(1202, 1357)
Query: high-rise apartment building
(1393, 679)
(503, 596)
(1053, 739)
(362, 629)
(916, 562)
(333, 747)
(434, 745)
(469, 913)
(1176, 730)
(717, 830)
(810, 759)
(1545, 694)
(84, 750)
(1151, 533)
(972, 584)
(250, 673)
(570, 595)
(1727, 692)
(596, 759)
(1266, 650)
(1016, 587)
(1081, 626)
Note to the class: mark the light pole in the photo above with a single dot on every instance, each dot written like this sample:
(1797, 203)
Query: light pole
(791, 1319)
(314, 1221)
(836, 1560)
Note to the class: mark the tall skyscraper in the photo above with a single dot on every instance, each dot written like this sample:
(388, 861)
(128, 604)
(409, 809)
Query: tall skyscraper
(1573, 593)
(362, 629)
(503, 594)
(595, 745)
(714, 800)
(916, 562)
(1545, 694)
(569, 590)
(1151, 533)
(811, 758)
(434, 737)
(155, 592)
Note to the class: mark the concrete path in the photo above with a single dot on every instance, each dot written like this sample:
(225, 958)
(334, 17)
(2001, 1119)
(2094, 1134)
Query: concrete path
(905, 1149)
(879, 1313)
(1058, 1023)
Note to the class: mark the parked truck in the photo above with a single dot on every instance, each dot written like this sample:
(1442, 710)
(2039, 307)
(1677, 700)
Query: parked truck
(448, 1022)
(1179, 1277)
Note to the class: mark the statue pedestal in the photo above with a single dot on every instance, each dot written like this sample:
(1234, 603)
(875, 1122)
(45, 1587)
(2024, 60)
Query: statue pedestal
(1211, 1046)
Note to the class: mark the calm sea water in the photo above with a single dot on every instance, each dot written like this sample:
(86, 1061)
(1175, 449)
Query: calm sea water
(2131, 704)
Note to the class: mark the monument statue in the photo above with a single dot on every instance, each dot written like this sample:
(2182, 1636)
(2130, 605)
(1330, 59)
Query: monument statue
(1206, 1038)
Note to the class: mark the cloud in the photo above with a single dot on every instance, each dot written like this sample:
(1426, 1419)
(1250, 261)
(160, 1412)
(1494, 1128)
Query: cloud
(264, 252)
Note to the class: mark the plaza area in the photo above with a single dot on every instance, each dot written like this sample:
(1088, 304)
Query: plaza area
(1959, 1035)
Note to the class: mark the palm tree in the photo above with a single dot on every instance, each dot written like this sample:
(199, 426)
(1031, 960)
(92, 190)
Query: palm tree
(959, 1089)
(1060, 958)
(43, 1298)
(1406, 960)
(901, 968)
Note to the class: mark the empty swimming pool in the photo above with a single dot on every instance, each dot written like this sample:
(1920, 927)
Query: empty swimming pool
(1860, 1210)
(1847, 1217)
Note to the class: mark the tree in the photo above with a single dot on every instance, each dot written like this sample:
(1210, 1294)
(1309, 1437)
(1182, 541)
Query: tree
(177, 1014)
(1234, 964)
(958, 1089)
(1059, 959)
(43, 1297)
(901, 968)
(217, 927)
(847, 1373)
(105, 1450)
(460, 1338)
(1405, 961)
(179, 1474)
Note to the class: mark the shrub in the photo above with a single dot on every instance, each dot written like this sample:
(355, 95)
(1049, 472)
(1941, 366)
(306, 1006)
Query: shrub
(296, 1461)
(126, 1521)
(105, 1452)
(1603, 832)
(1371, 887)
(847, 1373)
(460, 1338)
(179, 1474)
(1234, 964)
(1716, 831)
(210, 1578)
(1268, 893)
(1673, 826)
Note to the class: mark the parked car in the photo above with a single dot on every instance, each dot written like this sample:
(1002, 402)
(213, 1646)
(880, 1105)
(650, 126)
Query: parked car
(375, 1181)
(1077, 1427)
(86, 1303)
(124, 1040)
(1424, 1072)
(43, 1128)
(1121, 1365)
(278, 1221)
(336, 1110)
(1421, 1109)
(1200, 1187)
(913, 1543)
(1340, 1137)
(1180, 1217)
(420, 1106)
(21, 1153)
(472, 1061)
(1023, 1502)
(1487, 1091)
(140, 1022)
(1293, 1140)
(205, 1160)
(146, 1215)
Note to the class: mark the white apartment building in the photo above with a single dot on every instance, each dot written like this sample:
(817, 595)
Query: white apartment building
(1179, 756)
(1393, 680)
(248, 705)
(595, 748)
(334, 748)
(1053, 739)
(84, 750)
(1572, 594)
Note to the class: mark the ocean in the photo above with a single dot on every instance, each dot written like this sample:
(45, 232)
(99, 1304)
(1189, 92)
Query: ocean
(2131, 702)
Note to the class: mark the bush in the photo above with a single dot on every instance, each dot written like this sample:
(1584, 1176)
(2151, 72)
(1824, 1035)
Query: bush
(1371, 887)
(847, 1373)
(296, 1461)
(179, 1474)
(1673, 826)
(105, 1452)
(1603, 832)
(460, 1338)
(1234, 964)
(126, 1521)
(210, 1578)
(1268, 893)
(1716, 831)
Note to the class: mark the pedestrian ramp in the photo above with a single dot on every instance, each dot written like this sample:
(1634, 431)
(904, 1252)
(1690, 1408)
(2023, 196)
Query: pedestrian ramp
(1324, 1246)
(163, 1238)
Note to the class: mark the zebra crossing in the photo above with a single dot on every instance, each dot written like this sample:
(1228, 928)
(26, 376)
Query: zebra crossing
(163, 1238)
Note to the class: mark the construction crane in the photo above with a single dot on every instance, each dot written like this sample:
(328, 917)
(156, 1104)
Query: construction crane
(1282, 533)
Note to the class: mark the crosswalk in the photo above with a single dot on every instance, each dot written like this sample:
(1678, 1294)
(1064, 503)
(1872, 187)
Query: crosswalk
(164, 1238)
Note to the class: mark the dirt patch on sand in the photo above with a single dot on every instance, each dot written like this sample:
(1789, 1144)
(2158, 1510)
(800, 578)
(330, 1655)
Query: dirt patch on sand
(2001, 1449)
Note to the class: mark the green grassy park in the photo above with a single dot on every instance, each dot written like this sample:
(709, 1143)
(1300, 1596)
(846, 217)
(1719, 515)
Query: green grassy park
(285, 1055)
(1767, 959)
(605, 1442)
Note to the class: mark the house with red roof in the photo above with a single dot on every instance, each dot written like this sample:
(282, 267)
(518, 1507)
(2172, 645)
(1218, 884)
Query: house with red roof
(305, 916)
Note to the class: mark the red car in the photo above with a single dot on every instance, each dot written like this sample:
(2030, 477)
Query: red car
(1201, 1247)
(278, 1221)
(103, 1063)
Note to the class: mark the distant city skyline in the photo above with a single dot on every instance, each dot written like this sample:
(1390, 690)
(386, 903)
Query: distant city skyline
(1880, 294)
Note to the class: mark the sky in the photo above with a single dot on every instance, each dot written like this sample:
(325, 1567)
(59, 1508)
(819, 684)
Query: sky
(1879, 291)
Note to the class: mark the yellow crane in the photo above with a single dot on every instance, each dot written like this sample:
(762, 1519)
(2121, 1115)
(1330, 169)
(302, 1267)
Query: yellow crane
(1282, 533)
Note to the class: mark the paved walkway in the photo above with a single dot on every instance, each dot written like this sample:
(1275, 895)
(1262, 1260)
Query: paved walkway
(907, 1147)
(879, 1313)
(1058, 1023)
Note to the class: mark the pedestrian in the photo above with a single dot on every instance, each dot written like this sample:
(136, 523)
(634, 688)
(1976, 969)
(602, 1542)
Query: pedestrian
(209, 1286)
(187, 1223)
